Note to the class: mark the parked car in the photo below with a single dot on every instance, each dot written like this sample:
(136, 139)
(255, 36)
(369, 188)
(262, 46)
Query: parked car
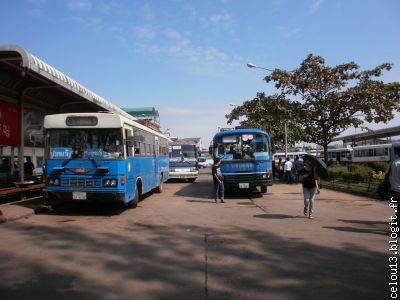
(202, 162)
(205, 162)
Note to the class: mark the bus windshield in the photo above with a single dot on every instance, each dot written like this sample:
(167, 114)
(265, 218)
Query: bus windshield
(85, 144)
(183, 153)
(241, 146)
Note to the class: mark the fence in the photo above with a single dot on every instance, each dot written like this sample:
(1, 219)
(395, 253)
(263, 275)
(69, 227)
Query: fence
(359, 185)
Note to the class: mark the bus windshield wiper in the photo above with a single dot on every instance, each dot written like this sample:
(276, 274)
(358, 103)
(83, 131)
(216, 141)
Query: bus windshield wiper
(95, 163)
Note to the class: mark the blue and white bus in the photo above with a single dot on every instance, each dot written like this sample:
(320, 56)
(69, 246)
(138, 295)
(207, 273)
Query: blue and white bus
(246, 158)
(102, 156)
(183, 161)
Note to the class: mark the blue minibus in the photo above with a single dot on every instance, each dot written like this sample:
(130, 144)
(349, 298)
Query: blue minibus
(246, 158)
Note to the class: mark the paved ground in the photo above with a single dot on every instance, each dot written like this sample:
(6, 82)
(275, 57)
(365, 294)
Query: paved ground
(181, 245)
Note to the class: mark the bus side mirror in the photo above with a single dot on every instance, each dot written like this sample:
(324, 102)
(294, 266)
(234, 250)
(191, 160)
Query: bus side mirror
(210, 150)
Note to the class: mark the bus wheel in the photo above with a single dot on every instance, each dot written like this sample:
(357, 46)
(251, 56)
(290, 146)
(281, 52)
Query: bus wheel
(159, 189)
(263, 189)
(192, 179)
(135, 201)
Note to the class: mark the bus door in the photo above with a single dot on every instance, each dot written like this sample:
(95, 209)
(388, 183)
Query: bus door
(156, 158)
(129, 152)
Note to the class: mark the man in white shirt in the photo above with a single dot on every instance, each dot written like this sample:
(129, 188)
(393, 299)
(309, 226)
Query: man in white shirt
(288, 170)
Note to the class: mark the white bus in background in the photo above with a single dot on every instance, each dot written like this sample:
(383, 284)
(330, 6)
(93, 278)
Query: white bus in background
(292, 155)
(371, 153)
(338, 154)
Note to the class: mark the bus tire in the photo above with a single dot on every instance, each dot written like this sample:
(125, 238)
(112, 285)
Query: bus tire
(264, 189)
(192, 179)
(159, 189)
(135, 201)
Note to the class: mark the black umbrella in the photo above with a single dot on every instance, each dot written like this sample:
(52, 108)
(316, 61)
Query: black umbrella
(322, 169)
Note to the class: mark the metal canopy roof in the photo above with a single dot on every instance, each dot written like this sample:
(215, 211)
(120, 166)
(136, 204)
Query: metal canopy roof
(41, 86)
(371, 134)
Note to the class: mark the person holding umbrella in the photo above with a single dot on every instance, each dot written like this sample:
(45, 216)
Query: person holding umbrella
(310, 181)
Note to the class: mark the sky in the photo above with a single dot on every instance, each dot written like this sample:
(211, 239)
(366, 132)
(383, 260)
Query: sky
(188, 58)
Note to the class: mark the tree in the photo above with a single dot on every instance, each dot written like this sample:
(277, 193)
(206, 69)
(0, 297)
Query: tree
(328, 106)
(270, 114)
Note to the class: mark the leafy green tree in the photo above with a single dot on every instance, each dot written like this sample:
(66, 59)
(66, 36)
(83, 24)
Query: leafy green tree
(328, 107)
(270, 114)
(332, 99)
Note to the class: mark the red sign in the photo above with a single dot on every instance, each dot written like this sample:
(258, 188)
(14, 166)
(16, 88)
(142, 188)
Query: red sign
(10, 131)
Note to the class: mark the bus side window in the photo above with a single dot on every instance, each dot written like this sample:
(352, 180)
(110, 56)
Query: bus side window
(128, 143)
(142, 148)
(137, 148)
(221, 149)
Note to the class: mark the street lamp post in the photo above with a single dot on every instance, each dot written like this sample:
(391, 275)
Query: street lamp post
(251, 65)
(285, 141)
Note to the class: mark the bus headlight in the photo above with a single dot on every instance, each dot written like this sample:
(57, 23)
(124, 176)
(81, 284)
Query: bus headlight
(110, 182)
(54, 181)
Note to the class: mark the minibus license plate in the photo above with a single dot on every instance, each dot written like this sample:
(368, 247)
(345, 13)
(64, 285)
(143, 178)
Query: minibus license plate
(244, 185)
(79, 195)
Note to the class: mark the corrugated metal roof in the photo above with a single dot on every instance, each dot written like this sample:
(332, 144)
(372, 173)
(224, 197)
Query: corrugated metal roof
(33, 63)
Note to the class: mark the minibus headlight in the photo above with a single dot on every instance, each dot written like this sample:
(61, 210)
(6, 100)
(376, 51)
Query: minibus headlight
(113, 182)
(54, 181)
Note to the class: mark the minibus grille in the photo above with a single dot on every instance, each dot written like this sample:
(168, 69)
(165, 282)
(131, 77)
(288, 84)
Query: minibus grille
(75, 181)
(233, 178)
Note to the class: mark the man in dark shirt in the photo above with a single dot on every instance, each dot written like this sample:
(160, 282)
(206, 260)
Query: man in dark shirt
(218, 180)
(28, 168)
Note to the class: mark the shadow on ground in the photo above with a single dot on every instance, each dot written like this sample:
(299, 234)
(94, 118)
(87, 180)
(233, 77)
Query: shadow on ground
(192, 190)
(90, 208)
(363, 226)
(158, 262)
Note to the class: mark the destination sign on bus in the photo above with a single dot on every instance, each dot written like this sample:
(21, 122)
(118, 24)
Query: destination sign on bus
(60, 153)
(81, 121)
(93, 153)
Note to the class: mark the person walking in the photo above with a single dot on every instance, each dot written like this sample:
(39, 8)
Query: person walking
(274, 171)
(288, 170)
(298, 165)
(218, 181)
(280, 169)
(28, 168)
(310, 181)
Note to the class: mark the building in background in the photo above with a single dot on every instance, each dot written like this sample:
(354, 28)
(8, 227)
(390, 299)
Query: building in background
(148, 116)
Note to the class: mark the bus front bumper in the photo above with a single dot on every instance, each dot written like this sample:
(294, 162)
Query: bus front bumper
(56, 195)
(183, 175)
(247, 180)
